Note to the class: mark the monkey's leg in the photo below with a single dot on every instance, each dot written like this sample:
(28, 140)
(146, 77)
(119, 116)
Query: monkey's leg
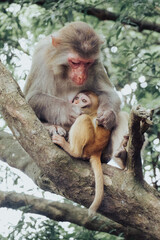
(82, 133)
(115, 149)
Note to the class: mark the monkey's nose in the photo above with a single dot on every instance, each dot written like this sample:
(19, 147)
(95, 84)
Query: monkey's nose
(76, 101)
(81, 79)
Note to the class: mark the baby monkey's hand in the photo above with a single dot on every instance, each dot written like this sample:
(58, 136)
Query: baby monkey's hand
(59, 140)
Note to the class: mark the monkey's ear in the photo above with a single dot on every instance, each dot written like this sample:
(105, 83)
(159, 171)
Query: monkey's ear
(55, 41)
(102, 40)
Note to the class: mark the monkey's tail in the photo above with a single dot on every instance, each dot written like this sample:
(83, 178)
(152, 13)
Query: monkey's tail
(99, 183)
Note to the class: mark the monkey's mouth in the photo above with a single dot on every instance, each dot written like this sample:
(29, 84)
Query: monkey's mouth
(78, 81)
(85, 106)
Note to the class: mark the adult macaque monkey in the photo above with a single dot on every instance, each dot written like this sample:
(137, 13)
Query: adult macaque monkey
(87, 140)
(64, 64)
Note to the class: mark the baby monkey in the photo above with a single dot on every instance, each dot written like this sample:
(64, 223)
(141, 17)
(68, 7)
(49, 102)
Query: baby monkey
(87, 140)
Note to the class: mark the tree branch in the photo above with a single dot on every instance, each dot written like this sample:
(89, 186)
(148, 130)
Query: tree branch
(12, 153)
(15, 156)
(139, 122)
(125, 201)
(64, 212)
(103, 15)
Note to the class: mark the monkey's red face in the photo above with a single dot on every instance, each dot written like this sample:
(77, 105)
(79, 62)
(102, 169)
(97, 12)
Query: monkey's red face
(78, 68)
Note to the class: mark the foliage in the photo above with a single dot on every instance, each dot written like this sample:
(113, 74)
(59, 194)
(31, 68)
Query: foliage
(34, 228)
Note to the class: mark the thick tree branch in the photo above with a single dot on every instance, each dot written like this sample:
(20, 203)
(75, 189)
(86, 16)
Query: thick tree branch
(106, 15)
(12, 153)
(126, 201)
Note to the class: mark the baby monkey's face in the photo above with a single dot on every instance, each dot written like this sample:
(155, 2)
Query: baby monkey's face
(82, 100)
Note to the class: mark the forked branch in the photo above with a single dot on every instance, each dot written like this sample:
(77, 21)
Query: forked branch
(139, 122)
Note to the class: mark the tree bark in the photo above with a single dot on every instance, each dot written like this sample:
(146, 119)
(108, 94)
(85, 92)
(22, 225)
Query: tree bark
(127, 200)
(139, 122)
(12, 153)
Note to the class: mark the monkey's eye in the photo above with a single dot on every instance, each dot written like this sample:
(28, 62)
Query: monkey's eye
(84, 100)
(75, 63)
(76, 98)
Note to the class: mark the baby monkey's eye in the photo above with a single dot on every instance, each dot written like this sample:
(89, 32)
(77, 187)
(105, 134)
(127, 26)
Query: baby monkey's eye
(76, 98)
(84, 100)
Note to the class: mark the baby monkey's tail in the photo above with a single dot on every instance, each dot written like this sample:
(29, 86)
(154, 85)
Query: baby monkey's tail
(99, 183)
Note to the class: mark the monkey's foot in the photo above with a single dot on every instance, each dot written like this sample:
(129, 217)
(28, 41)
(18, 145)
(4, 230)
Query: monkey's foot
(120, 163)
(120, 158)
(120, 155)
(61, 131)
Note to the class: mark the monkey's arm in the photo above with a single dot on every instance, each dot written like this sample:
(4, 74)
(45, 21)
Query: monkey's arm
(109, 106)
(54, 110)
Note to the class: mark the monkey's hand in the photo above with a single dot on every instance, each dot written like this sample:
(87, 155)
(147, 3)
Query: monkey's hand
(106, 118)
(59, 140)
(66, 115)
(55, 129)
